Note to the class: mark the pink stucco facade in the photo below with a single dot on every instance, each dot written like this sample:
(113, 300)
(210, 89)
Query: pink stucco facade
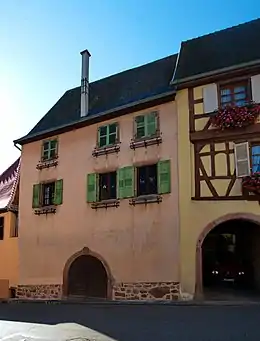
(140, 244)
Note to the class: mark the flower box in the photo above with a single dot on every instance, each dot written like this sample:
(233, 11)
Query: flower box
(251, 183)
(236, 116)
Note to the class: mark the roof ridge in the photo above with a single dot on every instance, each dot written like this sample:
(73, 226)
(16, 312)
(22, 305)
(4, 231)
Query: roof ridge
(222, 30)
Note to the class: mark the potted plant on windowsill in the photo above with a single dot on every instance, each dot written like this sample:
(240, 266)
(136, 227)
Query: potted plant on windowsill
(233, 116)
(251, 183)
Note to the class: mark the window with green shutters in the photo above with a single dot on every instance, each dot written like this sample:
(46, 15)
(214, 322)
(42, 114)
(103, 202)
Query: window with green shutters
(49, 149)
(164, 176)
(125, 182)
(47, 194)
(146, 125)
(108, 135)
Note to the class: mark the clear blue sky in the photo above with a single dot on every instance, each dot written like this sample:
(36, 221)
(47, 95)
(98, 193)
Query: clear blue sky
(41, 41)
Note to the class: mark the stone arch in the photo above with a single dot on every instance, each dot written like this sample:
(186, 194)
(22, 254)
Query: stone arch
(253, 218)
(87, 252)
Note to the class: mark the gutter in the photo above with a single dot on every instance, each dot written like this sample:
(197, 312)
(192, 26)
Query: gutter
(87, 120)
(215, 72)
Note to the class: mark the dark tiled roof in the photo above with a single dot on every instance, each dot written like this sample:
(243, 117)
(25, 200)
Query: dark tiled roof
(8, 182)
(111, 92)
(226, 48)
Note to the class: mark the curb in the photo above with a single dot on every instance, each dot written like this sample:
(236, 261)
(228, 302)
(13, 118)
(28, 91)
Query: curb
(192, 303)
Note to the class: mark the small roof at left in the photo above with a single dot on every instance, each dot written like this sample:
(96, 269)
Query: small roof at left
(8, 184)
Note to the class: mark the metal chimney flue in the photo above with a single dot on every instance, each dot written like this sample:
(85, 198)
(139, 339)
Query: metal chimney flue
(84, 102)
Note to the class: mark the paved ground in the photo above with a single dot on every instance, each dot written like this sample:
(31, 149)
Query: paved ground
(147, 322)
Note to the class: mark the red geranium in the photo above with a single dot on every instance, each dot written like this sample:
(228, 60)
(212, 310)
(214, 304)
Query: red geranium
(252, 183)
(236, 116)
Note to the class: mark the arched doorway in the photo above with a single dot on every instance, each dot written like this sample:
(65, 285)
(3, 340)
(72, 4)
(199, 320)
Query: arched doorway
(86, 275)
(228, 257)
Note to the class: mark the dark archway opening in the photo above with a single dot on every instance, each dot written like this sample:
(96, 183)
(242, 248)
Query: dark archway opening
(87, 278)
(231, 260)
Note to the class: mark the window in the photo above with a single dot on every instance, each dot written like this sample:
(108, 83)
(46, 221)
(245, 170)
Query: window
(130, 181)
(108, 135)
(49, 150)
(147, 180)
(234, 94)
(146, 125)
(107, 186)
(47, 194)
(101, 186)
(255, 158)
(2, 220)
(14, 227)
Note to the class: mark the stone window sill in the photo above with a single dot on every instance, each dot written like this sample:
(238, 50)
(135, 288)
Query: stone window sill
(145, 142)
(47, 163)
(105, 203)
(146, 199)
(45, 210)
(98, 151)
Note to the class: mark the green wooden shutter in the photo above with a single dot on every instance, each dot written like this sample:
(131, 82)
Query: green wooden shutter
(91, 187)
(164, 176)
(120, 183)
(36, 196)
(58, 196)
(128, 191)
(151, 123)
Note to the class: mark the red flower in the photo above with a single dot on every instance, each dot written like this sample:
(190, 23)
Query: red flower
(235, 116)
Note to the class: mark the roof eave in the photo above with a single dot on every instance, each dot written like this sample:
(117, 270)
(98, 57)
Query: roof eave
(204, 75)
(100, 116)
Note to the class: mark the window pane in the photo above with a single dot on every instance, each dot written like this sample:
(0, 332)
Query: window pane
(112, 139)
(45, 155)
(52, 153)
(102, 141)
(226, 99)
(239, 89)
(139, 121)
(240, 102)
(112, 185)
(53, 144)
(256, 150)
(103, 187)
(255, 159)
(225, 92)
(152, 179)
(103, 131)
(112, 128)
(140, 132)
(141, 180)
(241, 95)
(46, 145)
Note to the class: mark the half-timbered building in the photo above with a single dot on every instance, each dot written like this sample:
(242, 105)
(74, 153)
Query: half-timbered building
(218, 94)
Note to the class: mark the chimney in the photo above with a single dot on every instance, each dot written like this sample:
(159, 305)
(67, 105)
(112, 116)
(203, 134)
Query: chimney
(84, 101)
